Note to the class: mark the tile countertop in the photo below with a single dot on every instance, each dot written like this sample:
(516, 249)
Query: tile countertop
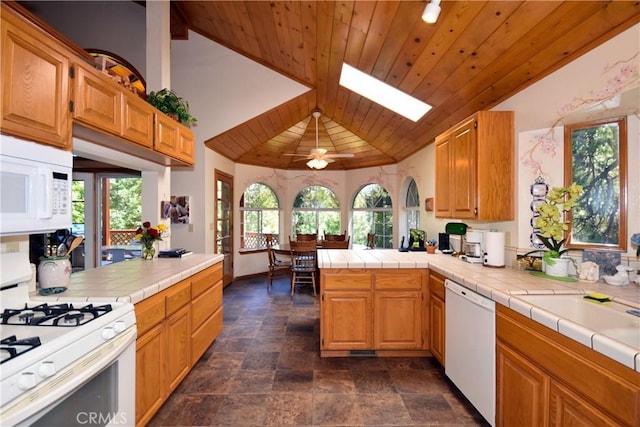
(131, 281)
(502, 285)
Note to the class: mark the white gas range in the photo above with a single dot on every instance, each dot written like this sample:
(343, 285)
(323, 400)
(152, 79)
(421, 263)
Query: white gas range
(63, 363)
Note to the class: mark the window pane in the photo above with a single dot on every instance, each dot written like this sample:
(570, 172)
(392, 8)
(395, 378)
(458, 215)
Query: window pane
(329, 222)
(596, 162)
(372, 196)
(260, 196)
(261, 215)
(413, 198)
(304, 222)
(316, 196)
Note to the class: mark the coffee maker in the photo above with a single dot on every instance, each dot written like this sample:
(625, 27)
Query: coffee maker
(474, 247)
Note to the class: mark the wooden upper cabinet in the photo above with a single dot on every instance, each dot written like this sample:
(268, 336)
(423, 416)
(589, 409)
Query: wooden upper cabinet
(166, 135)
(173, 139)
(474, 168)
(35, 84)
(443, 168)
(185, 147)
(97, 101)
(137, 120)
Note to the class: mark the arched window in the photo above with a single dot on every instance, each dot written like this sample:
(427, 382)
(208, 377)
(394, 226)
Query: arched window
(412, 206)
(373, 213)
(260, 215)
(316, 209)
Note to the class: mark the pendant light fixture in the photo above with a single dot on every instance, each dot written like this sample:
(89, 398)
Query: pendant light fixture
(431, 12)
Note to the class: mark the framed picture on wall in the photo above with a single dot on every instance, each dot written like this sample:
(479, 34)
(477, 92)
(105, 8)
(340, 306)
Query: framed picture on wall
(176, 209)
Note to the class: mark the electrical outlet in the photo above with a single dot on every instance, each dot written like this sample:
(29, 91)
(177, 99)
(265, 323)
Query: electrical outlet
(190, 228)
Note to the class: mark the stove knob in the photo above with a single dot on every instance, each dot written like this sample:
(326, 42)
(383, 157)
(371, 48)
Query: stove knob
(47, 369)
(119, 326)
(26, 381)
(108, 333)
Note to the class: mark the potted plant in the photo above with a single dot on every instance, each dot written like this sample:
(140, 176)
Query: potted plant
(171, 104)
(552, 225)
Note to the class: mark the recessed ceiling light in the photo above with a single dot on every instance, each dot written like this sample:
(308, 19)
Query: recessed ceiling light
(383, 94)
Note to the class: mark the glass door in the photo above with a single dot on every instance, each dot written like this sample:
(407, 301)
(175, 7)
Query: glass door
(224, 223)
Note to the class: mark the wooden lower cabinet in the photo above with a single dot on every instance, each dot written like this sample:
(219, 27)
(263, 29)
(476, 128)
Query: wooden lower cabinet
(398, 320)
(544, 378)
(150, 371)
(523, 388)
(174, 330)
(437, 315)
(346, 320)
(372, 309)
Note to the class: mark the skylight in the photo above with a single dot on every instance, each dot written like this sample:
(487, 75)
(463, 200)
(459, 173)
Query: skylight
(383, 94)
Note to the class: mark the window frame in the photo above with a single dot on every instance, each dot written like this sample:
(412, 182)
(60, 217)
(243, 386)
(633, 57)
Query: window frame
(374, 211)
(317, 211)
(261, 240)
(623, 142)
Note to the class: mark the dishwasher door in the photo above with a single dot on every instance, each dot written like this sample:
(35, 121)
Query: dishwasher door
(470, 351)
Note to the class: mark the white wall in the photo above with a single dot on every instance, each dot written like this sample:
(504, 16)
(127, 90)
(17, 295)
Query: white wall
(114, 26)
(575, 93)
(224, 90)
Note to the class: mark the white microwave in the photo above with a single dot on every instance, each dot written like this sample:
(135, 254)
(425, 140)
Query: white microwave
(35, 187)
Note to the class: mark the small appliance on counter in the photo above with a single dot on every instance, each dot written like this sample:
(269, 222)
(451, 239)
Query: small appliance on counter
(474, 247)
(450, 242)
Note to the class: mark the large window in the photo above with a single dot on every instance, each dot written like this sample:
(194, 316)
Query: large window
(596, 159)
(260, 213)
(373, 214)
(316, 209)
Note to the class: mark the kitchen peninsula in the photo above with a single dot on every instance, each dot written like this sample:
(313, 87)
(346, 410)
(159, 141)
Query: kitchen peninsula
(546, 365)
(178, 306)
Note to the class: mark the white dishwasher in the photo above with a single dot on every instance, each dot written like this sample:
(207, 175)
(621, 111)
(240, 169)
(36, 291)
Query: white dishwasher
(470, 350)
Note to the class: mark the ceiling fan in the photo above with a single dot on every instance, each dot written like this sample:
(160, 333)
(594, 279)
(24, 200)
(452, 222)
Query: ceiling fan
(318, 157)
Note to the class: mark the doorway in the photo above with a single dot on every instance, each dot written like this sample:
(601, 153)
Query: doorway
(223, 219)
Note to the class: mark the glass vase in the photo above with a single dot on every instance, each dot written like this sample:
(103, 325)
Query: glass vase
(148, 252)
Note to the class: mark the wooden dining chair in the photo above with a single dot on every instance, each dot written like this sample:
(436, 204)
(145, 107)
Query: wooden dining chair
(306, 237)
(303, 245)
(304, 269)
(335, 237)
(336, 244)
(279, 264)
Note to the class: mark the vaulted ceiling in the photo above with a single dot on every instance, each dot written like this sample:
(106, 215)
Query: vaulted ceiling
(476, 55)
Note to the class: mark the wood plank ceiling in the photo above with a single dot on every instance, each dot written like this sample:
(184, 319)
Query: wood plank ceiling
(477, 54)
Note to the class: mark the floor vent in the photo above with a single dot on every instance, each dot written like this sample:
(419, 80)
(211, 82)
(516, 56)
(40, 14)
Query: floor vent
(363, 353)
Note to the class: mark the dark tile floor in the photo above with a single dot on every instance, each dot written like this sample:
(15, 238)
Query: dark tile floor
(265, 370)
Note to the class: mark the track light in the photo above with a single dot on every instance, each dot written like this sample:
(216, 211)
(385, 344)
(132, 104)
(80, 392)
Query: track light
(431, 12)
(317, 163)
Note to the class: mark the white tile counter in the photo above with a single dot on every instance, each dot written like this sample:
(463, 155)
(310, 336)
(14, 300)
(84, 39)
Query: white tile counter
(502, 285)
(133, 280)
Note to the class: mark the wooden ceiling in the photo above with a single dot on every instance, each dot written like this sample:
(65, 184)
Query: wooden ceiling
(477, 54)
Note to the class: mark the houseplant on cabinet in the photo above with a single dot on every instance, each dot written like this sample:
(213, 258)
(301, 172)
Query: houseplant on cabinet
(552, 225)
(172, 105)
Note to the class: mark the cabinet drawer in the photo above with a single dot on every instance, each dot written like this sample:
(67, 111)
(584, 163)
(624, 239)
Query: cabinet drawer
(150, 312)
(202, 337)
(205, 279)
(177, 296)
(409, 279)
(203, 306)
(436, 284)
(346, 279)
